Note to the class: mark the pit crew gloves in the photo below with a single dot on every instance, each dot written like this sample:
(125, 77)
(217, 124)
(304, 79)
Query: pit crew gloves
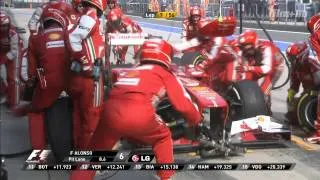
(291, 94)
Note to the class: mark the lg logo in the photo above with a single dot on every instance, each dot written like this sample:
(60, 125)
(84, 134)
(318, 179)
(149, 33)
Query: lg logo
(142, 158)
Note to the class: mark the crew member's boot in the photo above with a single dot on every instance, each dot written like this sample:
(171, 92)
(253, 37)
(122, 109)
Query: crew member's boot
(315, 138)
(291, 113)
(268, 104)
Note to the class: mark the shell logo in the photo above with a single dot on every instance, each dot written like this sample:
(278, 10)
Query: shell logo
(200, 88)
(131, 74)
(260, 119)
(54, 36)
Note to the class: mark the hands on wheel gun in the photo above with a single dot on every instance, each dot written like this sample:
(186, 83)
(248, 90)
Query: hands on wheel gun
(77, 67)
(291, 94)
(117, 51)
(97, 69)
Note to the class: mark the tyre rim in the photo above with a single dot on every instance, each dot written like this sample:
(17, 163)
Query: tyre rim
(310, 112)
(198, 60)
(233, 95)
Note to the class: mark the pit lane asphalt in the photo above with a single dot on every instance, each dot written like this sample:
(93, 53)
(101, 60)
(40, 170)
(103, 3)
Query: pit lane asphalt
(307, 162)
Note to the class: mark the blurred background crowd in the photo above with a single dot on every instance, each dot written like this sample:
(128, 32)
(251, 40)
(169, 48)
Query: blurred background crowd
(285, 11)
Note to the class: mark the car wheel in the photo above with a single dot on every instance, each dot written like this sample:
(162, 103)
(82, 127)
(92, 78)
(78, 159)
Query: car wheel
(193, 58)
(307, 111)
(245, 100)
(58, 122)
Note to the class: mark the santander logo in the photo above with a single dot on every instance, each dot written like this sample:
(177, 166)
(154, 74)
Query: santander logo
(244, 125)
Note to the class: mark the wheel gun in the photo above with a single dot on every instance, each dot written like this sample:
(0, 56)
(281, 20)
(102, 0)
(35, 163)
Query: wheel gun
(97, 68)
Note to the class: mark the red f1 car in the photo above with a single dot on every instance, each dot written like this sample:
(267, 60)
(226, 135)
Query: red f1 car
(236, 113)
(234, 119)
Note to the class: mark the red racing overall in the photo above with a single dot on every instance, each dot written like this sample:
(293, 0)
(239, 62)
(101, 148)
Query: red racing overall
(9, 61)
(130, 111)
(314, 40)
(86, 43)
(119, 23)
(49, 62)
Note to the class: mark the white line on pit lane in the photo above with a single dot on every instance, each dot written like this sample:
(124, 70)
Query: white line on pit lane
(256, 29)
(291, 32)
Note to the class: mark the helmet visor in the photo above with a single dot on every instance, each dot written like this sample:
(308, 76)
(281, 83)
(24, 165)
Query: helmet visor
(112, 5)
(195, 18)
(292, 59)
(247, 49)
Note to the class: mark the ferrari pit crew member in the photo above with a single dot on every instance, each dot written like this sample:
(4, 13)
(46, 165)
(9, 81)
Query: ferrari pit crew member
(190, 25)
(86, 44)
(119, 23)
(313, 26)
(202, 39)
(131, 107)
(314, 39)
(9, 61)
(217, 63)
(48, 69)
(262, 59)
(303, 71)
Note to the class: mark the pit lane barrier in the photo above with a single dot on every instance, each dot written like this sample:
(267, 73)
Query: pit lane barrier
(287, 13)
(171, 29)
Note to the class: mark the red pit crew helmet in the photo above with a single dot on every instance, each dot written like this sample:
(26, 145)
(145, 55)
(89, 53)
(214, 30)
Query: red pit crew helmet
(313, 23)
(114, 17)
(5, 23)
(247, 42)
(296, 52)
(55, 15)
(158, 51)
(248, 37)
(195, 14)
(4, 19)
(100, 4)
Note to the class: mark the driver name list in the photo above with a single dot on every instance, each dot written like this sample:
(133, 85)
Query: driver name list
(152, 166)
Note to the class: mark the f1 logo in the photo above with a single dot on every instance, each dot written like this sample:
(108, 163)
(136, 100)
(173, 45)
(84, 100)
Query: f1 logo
(38, 156)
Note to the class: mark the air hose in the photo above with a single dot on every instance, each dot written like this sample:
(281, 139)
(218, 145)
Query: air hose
(285, 58)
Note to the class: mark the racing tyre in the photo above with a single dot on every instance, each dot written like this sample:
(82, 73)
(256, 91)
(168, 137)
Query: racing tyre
(190, 58)
(58, 121)
(122, 65)
(307, 110)
(3, 174)
(246, 100)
